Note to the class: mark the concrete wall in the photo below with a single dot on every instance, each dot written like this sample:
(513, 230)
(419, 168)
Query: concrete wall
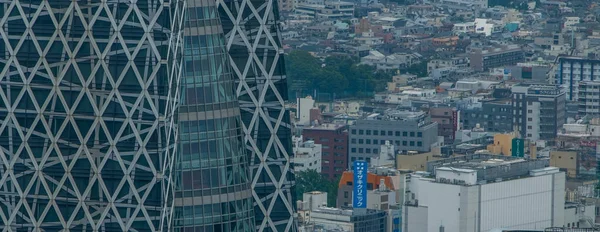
(416, 162)
(565, 160)
(502, 144)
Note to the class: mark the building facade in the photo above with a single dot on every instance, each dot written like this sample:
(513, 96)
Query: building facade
(539, 111)
(334, 141)
(572, 70)
(485, 193)
(88, 111)
(589, 99)
(482, 59)
(493, 115)
(307, 155)
(408, 131)
(448, 120)
(215, 191)
(333, 219)
(253, 33)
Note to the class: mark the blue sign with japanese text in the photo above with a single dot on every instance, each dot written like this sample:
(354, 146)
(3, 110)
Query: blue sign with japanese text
(359, 195)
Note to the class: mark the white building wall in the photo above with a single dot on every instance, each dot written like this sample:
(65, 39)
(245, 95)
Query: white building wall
(417, 216)
(520, 204)
(303, 110)
(444, 204)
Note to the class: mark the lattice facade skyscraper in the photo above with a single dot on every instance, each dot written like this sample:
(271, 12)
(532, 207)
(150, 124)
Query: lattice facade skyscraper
(253, 40)
(214, 193)
(88, 93)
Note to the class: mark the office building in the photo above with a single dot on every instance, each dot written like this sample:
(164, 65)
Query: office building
(408, 131)
(257, 62)
(589, 98)
(334, 141)
(448, 120)
(482, 59)
(539, 111)
(212, 160)
(483, 192)
(326, 9)
(307, 155)
(334, 219)
(493, 115)
(572, 70)
(88, 114)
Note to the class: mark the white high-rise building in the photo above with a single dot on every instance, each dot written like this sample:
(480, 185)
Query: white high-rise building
(307, 155)
(484, 192)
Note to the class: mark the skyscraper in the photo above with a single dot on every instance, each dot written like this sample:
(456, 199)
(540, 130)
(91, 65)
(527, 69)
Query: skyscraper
(88, 92)
(215, 190)
(252, 37)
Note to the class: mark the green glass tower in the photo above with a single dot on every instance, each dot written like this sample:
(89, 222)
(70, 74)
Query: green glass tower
(214, 192)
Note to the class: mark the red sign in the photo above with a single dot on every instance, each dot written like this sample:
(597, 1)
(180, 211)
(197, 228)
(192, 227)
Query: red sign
(585, 143)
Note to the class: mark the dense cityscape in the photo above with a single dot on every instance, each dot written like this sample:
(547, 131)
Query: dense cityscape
(300, 115)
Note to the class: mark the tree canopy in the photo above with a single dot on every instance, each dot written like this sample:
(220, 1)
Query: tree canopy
(311, 180)
(339, 75)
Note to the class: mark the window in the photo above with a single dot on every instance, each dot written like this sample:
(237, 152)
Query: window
(345, 194)
(529, 119)
(381, 142)
(325, 153)
(375, 141)
(397, 142)
(375, 132)
(404, 133)
(361, 132)
(419, 134)
(529, 127)
(325, 147)
(390, 133)
(368, 132)
(375, 151)
(353, 159)
(404, 143)
(368, 150)
(419, 144)
(412, 143)
(530, 111)
(382, 133)
(353, 131)
(353, 150)
(338, 162)
(324, 139)
(360, 141)
(368, 159)
(397, 133)
(528, 135)
(337, 154)
(361, 150)
(353, 141)
(412, 134)
(368, 141)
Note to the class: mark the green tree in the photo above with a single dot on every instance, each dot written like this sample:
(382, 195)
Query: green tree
(311, 180)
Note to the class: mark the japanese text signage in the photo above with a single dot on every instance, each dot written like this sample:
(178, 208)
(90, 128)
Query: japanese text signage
(359, 195)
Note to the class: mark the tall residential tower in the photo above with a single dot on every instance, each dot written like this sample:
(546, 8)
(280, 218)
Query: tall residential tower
(88, 95)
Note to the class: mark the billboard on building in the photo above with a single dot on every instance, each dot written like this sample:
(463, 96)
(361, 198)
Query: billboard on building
(518, 147)
(359, 195)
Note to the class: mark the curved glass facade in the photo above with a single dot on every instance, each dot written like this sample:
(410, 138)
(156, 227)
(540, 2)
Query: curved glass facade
(252, 34)
(87, 96)
(214, 193)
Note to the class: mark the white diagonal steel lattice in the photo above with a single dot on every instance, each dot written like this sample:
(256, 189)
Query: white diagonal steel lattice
(88, 94)
(252, 33)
